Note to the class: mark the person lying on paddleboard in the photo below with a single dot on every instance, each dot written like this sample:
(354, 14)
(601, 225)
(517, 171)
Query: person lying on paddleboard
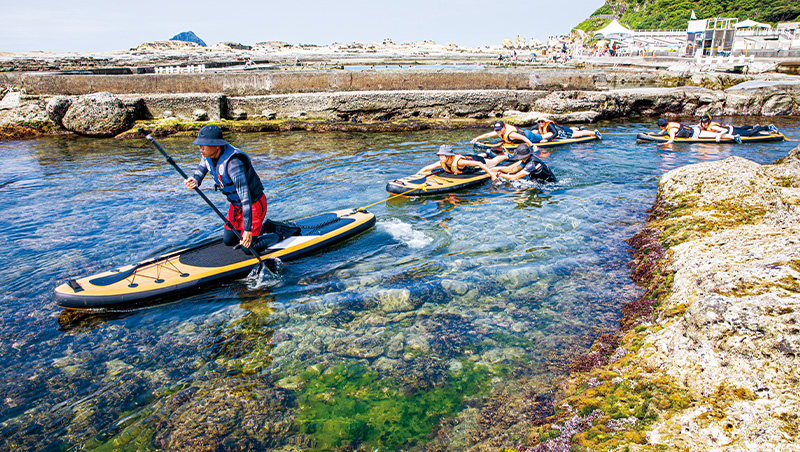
(234, 175)
(729, 131)
(679, 130)
(462, 164)
(526, 164)
(510, 134)
(550, 131)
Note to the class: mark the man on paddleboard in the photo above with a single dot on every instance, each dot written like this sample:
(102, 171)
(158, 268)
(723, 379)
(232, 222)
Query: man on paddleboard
(234, 175)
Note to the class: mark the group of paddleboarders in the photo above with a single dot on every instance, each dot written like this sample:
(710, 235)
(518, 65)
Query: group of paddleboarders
(526, 164)
(233, 173)
(708, 128)
(546, 131)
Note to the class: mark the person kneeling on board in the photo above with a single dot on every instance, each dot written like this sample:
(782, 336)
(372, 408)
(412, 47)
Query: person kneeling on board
(234, 175)
(461, 164)
(729, 131)
(526, 164)
(551, 131)
(510, 135)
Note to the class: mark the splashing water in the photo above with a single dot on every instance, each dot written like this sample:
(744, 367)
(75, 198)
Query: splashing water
(267, 275)
(405, 233)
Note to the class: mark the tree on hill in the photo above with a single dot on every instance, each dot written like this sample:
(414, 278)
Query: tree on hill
(667, 14)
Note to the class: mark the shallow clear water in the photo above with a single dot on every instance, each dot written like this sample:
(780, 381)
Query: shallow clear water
(409, 333)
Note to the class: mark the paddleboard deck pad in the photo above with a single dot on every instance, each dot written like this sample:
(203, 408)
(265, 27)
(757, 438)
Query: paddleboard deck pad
(435, 183)
(176, 273)
(499, 146)
(654, 136)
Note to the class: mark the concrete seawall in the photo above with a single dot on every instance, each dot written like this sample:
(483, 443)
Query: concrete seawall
(280, 82)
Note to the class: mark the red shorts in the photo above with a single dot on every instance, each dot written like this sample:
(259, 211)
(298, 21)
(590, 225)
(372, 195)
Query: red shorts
(258, 210)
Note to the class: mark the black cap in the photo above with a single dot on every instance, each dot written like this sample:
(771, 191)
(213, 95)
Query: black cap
(521, 153)
(662, 122)
(210, 135)
(705, 118)
(498, 125)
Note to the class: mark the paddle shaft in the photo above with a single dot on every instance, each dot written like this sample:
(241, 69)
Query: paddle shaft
(202, 195)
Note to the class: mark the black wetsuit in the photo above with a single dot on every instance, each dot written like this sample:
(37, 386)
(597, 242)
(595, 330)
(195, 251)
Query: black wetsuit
(537, 170)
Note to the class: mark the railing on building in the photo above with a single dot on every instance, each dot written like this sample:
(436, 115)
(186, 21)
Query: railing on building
(180, 69)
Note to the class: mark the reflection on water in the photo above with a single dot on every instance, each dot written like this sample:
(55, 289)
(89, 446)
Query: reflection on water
(448, 325)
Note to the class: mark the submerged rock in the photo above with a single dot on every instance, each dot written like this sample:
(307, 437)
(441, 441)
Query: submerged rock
(395, 300)
(57, 107)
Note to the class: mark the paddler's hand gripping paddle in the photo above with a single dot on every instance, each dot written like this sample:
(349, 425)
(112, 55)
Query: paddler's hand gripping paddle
(202, 195)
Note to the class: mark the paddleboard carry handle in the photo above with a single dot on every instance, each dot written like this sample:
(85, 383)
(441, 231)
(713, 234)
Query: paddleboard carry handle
(199, 192)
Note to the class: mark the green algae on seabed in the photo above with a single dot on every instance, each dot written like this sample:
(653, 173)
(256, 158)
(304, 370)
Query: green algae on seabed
(29, 129)
(352, 405)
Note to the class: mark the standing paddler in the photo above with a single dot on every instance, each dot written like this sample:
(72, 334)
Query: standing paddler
(234, 175)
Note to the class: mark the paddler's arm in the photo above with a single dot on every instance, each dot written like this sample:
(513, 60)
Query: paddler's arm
(479, 165)
(672, 133)
(237, 175)
(520, 137)
(429, 168)
(516, 176)
(196, 179)
(485, 135)
(508, 169)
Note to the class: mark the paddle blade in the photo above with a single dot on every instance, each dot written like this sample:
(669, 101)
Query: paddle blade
(268, 274)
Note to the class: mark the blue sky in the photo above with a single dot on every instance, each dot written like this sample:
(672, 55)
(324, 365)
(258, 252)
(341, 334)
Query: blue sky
(102, 25)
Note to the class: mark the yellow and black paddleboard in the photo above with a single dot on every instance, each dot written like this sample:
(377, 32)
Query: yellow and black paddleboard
(435, 183)
(182, 271)
(655, 136)
(548, 144)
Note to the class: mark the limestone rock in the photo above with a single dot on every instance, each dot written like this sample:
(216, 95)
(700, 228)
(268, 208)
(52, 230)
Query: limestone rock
(57, 108)
(98, 115)
(238, 114)
(728, 327)
(780, 104)
(199, 115)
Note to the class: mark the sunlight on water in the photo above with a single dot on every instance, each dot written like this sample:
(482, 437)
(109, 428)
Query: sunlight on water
(414, 334)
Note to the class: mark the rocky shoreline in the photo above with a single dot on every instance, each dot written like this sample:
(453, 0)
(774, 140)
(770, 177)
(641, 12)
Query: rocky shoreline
(707, 359)
(34, 107)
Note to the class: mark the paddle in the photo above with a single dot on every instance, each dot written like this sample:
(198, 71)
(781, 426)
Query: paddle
(202, 195)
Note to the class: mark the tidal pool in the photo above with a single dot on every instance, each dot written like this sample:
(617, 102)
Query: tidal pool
(448, 325)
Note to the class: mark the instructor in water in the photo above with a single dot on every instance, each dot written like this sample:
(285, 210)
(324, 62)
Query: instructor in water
(234, 175)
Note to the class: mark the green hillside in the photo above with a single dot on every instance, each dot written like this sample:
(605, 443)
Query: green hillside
(671, 14)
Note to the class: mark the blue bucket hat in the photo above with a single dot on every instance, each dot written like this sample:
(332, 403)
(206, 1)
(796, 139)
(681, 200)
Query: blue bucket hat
(210, 135)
